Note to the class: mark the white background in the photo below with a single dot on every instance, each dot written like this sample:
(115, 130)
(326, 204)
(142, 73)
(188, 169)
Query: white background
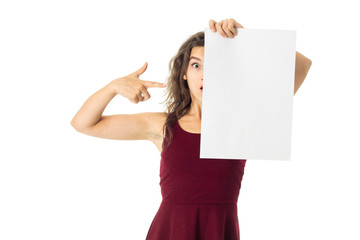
(56, 183)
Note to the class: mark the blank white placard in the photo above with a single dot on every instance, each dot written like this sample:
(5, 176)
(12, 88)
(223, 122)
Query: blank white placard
(248, 94)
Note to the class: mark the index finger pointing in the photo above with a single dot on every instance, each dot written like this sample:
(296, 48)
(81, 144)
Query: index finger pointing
(150, 84)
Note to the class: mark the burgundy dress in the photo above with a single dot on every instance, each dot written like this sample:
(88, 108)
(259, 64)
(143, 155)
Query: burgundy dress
(199, 196)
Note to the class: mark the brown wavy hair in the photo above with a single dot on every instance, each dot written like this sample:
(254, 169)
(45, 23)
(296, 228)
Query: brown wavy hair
(178, 98)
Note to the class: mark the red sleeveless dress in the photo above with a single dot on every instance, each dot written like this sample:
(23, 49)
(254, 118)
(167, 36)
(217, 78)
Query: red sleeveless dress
(199, 196)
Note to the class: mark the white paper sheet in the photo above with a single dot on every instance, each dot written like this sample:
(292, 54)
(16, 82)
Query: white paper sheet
(248, 94)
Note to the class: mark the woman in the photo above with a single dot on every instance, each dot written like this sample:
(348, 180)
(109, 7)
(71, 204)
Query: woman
(199, 196)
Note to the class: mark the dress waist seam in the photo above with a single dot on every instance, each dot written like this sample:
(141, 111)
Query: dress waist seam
(180, 203)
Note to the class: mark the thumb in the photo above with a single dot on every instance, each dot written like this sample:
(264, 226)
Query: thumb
(141, 70)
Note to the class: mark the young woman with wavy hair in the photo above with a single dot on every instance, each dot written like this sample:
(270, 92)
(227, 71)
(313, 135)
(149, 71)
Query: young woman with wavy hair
(199, 196)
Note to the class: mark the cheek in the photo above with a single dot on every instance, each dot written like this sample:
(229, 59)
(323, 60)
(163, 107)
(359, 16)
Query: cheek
(194, 73)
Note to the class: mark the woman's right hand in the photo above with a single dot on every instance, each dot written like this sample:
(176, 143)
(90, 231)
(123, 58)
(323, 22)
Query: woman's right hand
(133, 88)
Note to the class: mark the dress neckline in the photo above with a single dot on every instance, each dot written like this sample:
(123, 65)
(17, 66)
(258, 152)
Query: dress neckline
(177, 122)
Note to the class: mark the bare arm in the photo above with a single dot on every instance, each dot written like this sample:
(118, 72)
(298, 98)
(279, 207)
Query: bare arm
(89, 119)
(302, 66)
(91, 111)
(227, 28)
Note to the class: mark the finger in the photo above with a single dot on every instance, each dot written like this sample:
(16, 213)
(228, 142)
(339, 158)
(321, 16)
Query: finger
(137, 97)
(226, 27)
(212, 25)
(140, 97)
(232, 26)
(141, 70)
(236, 24)
(149, 84)
(134, 100)
(233, 30)
(219, 29)
(145, 93)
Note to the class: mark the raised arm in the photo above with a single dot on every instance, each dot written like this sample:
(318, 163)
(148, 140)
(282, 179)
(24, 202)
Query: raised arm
(227, 28)
(89, 119)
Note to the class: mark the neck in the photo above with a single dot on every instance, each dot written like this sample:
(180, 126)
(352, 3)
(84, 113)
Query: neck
(195, 110)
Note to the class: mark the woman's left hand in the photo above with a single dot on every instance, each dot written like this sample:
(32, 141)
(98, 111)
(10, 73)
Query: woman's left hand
(227, 27)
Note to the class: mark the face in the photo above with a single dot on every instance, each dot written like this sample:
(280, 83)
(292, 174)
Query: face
(194, 73)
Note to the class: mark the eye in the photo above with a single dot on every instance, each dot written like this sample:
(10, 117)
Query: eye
(195, 64)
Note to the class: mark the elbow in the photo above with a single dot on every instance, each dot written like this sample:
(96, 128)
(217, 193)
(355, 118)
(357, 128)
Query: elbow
(75, 125)
(81, 128)
(307, 67)
(308, 64)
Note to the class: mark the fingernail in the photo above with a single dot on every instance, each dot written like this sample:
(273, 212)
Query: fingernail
(164, 84)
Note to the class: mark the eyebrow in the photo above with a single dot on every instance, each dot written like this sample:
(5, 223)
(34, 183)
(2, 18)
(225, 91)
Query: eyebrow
(195, 58)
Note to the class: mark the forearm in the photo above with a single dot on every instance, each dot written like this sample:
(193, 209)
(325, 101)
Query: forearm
(91, 111)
